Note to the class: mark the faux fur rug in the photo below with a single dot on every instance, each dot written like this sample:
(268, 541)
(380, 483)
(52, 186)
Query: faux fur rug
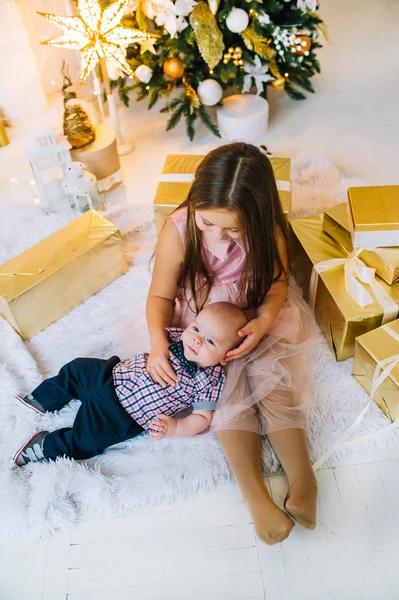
(36, 500)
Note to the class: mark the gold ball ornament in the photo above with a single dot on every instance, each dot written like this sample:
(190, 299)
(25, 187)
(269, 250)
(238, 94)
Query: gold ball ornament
(173, 68)
(279, 83)
(302, 45)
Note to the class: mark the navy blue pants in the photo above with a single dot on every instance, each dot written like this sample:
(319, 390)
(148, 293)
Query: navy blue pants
(101, 421)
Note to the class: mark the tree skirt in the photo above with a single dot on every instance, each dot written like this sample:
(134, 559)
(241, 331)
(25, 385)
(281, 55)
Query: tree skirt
(138, 475)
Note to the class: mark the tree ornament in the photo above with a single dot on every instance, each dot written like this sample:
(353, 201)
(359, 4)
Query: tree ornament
(234, 54)
(214, 6)
(301, 45)
(210, 92)
(258, 44)
(207, 33)
(257, 72)
(307, 5)
(237, 20)
(192, 95)
(77, 126)
(173, 67)
(279, 84)
(143, 73)
(97, 34)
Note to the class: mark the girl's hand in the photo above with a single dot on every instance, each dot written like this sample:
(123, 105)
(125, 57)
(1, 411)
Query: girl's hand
(163, 426)
(158, 365)
(253, 332)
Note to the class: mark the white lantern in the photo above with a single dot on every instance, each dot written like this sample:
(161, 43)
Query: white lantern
(80, 187)
(49, 159)
(210, 92)
(237, 20)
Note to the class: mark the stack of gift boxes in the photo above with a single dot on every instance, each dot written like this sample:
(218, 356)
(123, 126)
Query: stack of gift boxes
(347, 263)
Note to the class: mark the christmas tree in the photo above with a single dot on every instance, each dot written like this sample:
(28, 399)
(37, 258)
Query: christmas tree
(77, 126)
(209, 46)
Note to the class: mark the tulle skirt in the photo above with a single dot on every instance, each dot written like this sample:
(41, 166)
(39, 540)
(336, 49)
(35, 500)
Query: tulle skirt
(267, 390)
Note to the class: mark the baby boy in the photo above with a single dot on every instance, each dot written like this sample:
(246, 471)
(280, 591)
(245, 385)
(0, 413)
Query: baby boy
(120, 400)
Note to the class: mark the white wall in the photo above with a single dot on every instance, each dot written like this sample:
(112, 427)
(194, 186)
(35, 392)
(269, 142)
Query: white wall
(29, 71)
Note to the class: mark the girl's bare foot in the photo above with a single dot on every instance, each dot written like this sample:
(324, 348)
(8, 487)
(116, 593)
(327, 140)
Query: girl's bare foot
(272, 525)
(301, 501)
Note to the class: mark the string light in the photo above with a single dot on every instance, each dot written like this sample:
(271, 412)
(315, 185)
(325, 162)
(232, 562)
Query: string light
(97, 34)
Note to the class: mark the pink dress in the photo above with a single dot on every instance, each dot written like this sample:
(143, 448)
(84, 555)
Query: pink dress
(264, 391)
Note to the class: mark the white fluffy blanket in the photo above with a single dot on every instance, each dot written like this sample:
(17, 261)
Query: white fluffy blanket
(137, 475)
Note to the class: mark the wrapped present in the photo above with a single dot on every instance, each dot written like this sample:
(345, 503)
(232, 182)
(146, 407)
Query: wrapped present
(385, 261)
(50, 278)
(376, 367)
(178, 174)
(347, 298)
(374, 216)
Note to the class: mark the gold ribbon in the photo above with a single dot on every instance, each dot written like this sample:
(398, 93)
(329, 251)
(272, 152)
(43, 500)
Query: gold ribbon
(356, 275)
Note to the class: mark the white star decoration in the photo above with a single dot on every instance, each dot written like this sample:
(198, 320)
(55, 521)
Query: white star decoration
(98, 35)
(259, 73)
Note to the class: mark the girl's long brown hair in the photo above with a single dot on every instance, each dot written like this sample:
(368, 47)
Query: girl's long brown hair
(237, 177)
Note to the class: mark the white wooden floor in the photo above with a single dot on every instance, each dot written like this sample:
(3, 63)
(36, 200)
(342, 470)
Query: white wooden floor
(206, 549)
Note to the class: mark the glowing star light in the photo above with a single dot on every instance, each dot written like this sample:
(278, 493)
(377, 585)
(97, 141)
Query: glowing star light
(97, 34)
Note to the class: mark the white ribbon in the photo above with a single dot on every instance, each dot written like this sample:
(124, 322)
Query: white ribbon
(382, 371)
(356, 274)
(384, 366)
(283, 186)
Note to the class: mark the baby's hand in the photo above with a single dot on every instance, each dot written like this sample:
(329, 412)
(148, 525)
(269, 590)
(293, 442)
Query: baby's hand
(163, 426)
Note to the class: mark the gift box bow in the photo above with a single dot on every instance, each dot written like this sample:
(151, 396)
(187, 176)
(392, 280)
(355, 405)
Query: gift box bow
(356, 275)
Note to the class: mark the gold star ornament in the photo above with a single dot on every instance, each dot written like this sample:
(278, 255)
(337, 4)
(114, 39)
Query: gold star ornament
(98, 35)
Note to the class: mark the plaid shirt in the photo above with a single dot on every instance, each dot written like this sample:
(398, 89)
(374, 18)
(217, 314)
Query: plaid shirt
(143, 399)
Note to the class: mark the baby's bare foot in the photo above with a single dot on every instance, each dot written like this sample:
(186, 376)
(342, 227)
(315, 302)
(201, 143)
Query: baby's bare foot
(301, 501)
(272, 525)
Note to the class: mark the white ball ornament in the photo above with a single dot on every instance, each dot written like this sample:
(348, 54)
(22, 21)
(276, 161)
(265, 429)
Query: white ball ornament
(210, 92)
(237, 20)
(143, 73)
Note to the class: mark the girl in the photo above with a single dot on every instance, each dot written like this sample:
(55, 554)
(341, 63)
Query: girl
(228, 242)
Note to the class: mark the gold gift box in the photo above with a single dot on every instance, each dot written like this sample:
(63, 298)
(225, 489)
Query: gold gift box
(178, 174)
(52, 277)
(374, 216)
(371, 348)
(385, 261)
(340, 318)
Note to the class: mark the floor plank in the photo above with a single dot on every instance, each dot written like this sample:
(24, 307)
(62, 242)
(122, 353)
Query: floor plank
(241, 586)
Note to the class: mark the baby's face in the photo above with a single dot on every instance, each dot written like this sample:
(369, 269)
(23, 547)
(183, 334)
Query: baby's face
(207, 339)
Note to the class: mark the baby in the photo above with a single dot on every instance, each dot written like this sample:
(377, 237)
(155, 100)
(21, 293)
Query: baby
(120, 400)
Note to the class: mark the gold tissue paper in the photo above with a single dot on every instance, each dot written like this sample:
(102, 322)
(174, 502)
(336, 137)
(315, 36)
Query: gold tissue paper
(52, 277)
(385, 261)
(178, 174)
(374, 216)
(342, 315)
(376, 367)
